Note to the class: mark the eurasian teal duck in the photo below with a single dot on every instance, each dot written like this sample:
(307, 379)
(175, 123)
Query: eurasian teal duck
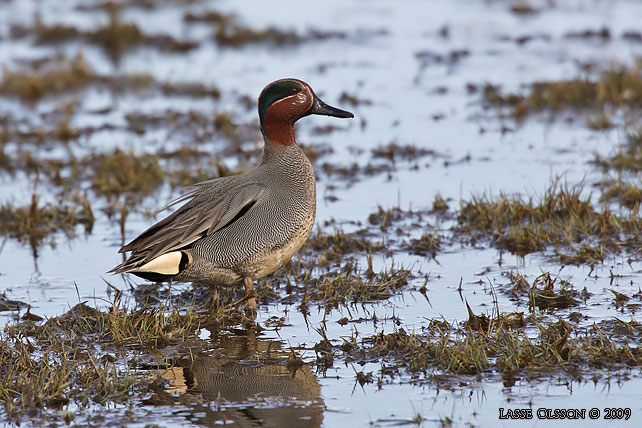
(234, 230)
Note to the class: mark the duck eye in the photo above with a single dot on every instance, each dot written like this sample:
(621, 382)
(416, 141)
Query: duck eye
(295, 90)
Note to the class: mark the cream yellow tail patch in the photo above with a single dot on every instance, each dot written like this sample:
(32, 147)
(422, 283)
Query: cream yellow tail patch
(167, 264)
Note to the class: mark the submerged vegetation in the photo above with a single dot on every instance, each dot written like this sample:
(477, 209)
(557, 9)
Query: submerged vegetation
(230, 32)
(618, 88)
(628, 158)
(56, 77)
(61, 75)
(116, 173)
(118, 37)
(34, 223)
(115, 38)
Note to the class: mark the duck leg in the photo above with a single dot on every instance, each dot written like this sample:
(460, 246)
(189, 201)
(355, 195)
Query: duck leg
(214, 299)
(248, 300)
(249, 294)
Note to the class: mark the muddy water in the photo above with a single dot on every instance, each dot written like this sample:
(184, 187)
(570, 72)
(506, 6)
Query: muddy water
(411, 63)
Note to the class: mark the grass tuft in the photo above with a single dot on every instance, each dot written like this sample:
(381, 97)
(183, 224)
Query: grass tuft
(443, 348)
(564, 218)
(33, 223)
(84, 355)
(619, 87)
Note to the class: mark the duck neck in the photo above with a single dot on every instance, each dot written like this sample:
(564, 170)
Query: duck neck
(279, 132)
(275, 150)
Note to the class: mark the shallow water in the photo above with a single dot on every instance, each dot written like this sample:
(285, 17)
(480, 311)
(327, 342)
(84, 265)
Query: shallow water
(389, 56)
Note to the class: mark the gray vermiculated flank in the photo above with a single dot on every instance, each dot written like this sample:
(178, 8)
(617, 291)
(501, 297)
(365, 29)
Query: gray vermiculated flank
(282, 211)
(282, 187)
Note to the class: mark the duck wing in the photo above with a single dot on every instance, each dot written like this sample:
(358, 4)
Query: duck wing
(209, 207)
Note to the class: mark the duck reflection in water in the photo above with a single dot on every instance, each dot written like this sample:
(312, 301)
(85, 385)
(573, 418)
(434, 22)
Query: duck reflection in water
(250, 384)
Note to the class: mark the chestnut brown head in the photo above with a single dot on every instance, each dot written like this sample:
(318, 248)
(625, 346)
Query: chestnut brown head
(285, 101)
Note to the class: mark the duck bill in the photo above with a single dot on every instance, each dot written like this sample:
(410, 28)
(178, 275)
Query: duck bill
(319, 107)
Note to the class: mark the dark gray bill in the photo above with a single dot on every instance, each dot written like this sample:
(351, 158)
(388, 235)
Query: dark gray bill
(319, 107)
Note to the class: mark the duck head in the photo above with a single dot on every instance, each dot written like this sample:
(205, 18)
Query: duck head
(285, 101)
